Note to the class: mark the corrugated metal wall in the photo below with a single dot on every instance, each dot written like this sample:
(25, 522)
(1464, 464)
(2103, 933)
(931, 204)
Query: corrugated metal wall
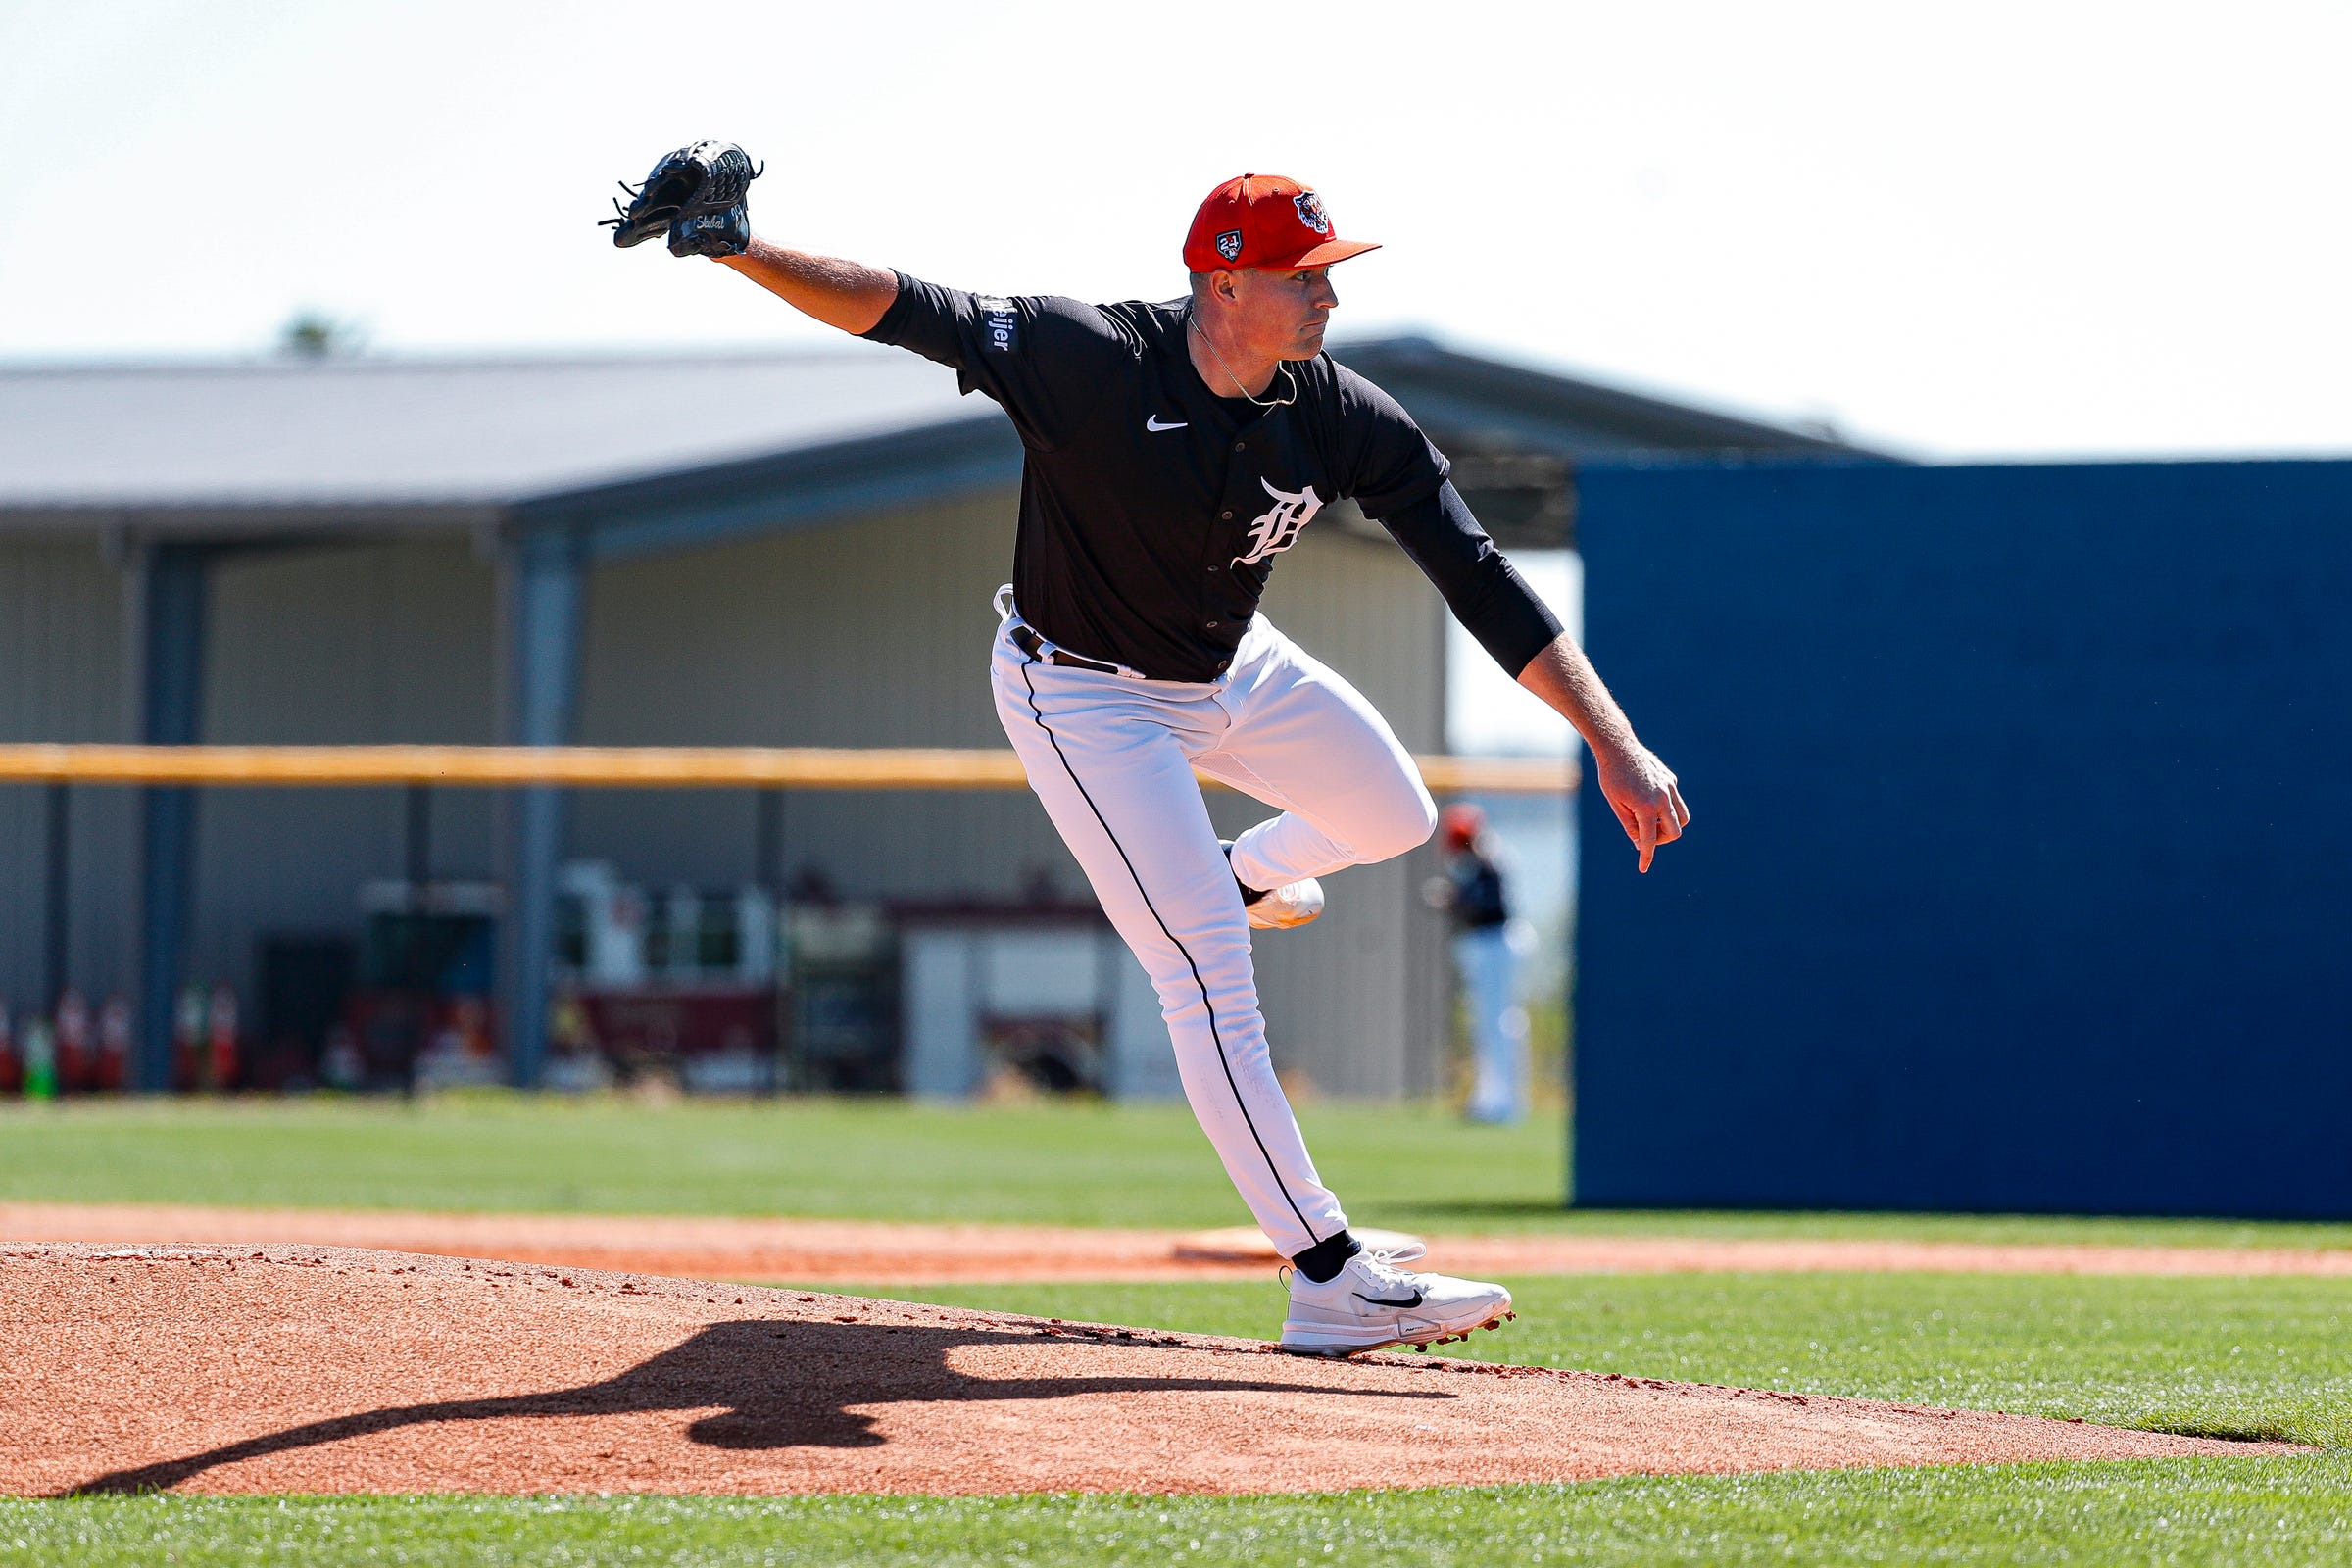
(64, 655)
(870, 635)
(342, 645)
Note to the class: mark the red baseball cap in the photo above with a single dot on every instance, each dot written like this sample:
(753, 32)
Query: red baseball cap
(1265, 220)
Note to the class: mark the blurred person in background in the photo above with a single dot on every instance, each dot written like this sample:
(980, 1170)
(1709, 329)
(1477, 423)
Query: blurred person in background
(1488, 947)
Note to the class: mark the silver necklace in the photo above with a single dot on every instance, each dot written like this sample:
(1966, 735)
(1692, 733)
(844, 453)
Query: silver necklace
(1289, 380)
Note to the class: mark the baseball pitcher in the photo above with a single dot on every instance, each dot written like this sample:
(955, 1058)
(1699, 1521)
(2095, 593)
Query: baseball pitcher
(1173, 452)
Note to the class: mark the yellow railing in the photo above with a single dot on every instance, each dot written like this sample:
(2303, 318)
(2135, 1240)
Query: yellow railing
(639, 766)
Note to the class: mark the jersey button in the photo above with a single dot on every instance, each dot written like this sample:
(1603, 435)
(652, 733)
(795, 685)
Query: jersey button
(1240, 446)
(1213, 571)
(1226, 517)
(1212, 625)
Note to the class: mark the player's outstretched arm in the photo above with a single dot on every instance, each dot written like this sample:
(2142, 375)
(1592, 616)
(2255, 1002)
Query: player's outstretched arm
(1642, 790)
(849, 295)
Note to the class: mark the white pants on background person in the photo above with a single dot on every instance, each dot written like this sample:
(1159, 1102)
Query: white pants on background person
(1488, 962)
(1111, 759)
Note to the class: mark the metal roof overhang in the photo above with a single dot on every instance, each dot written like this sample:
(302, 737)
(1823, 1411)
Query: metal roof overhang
(1465, 399)
(288, 522)
(807, 489)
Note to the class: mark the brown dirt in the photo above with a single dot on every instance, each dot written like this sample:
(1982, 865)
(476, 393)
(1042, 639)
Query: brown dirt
(328, 1369)
(855, 1252)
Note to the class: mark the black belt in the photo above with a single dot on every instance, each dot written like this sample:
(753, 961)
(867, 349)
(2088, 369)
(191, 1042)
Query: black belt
(1028, 642)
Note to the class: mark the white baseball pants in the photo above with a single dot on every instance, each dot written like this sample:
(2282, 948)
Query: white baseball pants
(1112, 759)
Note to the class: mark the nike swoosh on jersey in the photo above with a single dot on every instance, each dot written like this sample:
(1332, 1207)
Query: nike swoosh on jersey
(1415, 1299)
(1153, 424)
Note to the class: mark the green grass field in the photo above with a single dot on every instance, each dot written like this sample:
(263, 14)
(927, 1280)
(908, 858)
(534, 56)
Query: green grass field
(2216, 1357)
(2246, 1513)
(1412, 1167)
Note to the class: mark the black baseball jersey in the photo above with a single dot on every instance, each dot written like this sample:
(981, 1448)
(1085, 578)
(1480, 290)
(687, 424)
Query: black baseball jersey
(1152, 508)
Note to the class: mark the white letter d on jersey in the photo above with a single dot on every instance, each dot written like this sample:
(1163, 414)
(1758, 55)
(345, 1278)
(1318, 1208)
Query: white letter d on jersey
(1278, 530)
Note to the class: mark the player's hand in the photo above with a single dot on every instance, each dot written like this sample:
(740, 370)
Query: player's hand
(1644, 792)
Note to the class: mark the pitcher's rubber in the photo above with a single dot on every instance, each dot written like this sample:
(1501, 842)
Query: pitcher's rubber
(264, 1369)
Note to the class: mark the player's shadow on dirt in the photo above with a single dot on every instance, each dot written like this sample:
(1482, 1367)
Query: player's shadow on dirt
(783, 1384)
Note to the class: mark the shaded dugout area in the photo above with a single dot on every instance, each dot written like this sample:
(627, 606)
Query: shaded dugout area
(2020, 874)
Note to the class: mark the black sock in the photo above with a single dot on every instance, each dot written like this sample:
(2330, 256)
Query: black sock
(1323, 1262)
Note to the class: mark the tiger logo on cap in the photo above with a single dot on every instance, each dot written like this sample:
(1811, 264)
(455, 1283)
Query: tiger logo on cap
(1310, 212)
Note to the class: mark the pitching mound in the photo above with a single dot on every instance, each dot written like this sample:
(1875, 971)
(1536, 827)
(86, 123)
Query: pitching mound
(326, 1369)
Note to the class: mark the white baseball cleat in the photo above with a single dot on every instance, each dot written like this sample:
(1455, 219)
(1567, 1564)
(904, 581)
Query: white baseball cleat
(1292, 904)
(1372, 1303)
(1278, 908)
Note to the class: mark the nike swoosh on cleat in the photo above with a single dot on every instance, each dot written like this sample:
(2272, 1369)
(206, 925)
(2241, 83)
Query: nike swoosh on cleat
(1361, 1296)
(1153, 424)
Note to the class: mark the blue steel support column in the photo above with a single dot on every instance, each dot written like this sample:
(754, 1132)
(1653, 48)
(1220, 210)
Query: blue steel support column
(170, 713)
(543, 581)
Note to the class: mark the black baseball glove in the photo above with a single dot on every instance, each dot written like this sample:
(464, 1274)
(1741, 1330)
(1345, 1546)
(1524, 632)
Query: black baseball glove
(697, 193)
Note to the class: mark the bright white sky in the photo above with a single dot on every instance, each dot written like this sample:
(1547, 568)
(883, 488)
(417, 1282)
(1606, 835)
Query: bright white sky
(1960, 230)
(1982, 229)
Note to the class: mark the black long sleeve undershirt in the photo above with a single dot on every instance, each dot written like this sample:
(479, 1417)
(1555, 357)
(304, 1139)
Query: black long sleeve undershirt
(1486, 594)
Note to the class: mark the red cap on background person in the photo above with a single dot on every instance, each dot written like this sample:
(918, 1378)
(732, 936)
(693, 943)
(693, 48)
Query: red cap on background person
(1265, 220)
(1461, 823)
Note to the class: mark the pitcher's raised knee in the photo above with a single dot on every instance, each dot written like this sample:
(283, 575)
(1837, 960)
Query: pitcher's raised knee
(1405, 820)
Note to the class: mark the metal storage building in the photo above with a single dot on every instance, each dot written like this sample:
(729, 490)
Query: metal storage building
(772, 549)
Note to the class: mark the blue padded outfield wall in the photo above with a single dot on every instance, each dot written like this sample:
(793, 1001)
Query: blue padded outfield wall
(2020, 869)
